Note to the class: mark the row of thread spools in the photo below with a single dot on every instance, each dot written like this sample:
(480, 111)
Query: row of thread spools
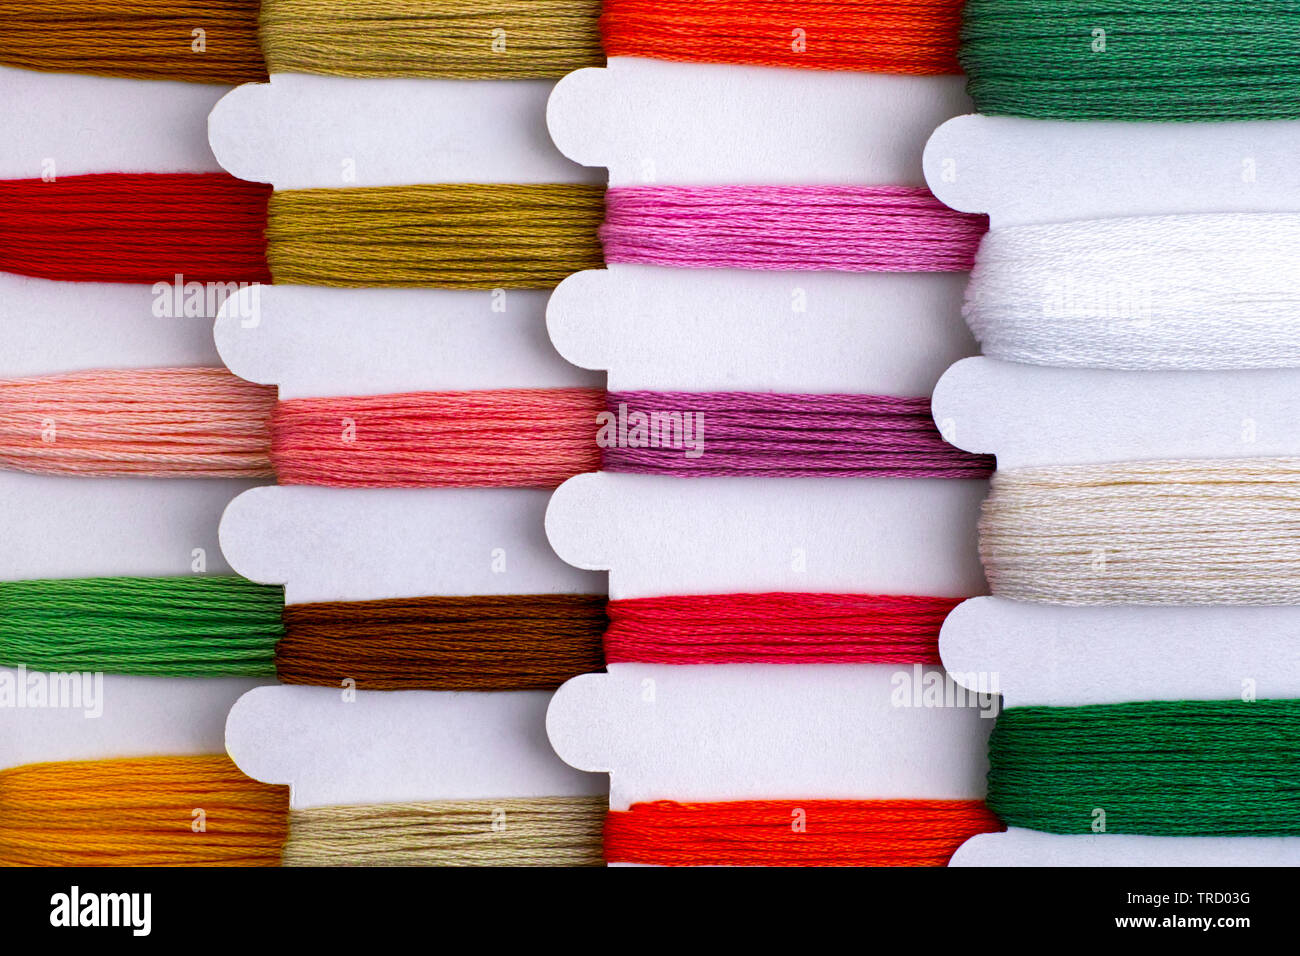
(800, 447)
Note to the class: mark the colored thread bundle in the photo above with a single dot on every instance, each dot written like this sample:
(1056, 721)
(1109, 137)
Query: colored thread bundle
(1133, 59)
(148, 811)
(141, 39)
(776, 628)
(795, 833)
(156, 423)
(201, 811)
(213, 228)
(225, 626)
(1155, 532)
(1168, 768)
(465, 39)
(759, 434)
(825, 228)
(879, 36)
(200, 626)
(468, 39)
(455, 236)
(135, 227)
(489, 642)
(209, 423)
(1176, 292)
(508, 437)
(546, 831)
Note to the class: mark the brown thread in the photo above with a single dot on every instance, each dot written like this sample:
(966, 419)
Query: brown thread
(141, 39)
(494, 642)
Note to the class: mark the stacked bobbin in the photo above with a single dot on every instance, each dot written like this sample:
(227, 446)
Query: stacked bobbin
(783, 528)
(380, 231)
(63, 528)
(387, 612)
(1137, 390)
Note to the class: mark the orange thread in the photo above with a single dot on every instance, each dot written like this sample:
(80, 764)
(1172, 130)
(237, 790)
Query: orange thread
(881, 36)
(144, 811)
(795, 832)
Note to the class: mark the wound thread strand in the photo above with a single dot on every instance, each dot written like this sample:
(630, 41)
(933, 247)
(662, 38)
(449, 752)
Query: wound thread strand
(456, 236)
(139, 39)
(823, 228)
(154, 423)
(482, 643)
(762, 434)
(139, 812)
(505, 438)
(226, 626)
(542, 831)
(1164, 768)
(878, 36)
(1147, 292)
(1145, 60)
(1155, 532)
(200, 626)
(795, 832)
(463, 39)
(776, 628)
(135, 227)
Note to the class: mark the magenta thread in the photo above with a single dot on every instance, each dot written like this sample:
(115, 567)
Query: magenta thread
(763, 434)
(824, 228)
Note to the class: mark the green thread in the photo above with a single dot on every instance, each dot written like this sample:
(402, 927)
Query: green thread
(1133, 60)
(1177, 768)
(201, 626)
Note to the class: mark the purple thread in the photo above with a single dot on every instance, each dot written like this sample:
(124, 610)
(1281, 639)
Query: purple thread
(771, 435)
(823, 228)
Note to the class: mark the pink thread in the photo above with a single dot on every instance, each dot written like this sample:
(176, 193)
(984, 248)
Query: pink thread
(152, 423)
(510, 437)
(824, 228)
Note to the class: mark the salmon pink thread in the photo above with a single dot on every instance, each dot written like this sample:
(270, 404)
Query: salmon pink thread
(504, 438)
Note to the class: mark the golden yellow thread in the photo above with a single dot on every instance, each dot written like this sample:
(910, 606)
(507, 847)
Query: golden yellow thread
(144, 811)
(459, 236)
(468, 39)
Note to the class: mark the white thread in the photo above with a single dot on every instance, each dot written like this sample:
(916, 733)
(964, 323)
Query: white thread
(1158, 532)
(1161, 292)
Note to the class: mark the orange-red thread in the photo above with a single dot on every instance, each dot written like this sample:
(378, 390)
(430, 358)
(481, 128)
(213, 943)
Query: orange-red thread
(795, 832)
(885, 36)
